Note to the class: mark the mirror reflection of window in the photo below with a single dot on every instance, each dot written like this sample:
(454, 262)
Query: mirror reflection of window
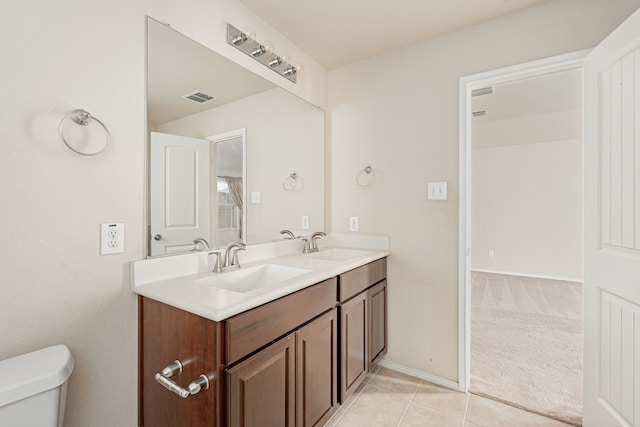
(229, 211)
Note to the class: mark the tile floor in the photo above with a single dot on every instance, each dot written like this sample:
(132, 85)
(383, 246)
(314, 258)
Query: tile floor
(391, 399)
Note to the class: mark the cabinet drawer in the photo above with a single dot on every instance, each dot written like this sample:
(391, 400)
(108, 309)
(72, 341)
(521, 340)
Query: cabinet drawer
(255, 328)
(357, 280)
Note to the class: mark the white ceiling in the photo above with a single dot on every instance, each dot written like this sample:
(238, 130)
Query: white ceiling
(339, 32)
(541, 109)
(548, 93)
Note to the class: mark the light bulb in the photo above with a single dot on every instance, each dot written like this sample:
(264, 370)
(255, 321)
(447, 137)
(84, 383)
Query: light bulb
(268, 45)
(249, 32)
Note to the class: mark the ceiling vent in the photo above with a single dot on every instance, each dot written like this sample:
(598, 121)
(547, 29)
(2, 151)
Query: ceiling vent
(199, 97)
(479, 113)
(482, 91)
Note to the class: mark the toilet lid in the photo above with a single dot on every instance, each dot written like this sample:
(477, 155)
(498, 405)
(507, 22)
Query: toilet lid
(32, 373)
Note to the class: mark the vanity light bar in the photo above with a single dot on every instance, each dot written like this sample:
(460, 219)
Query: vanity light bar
(261, 53)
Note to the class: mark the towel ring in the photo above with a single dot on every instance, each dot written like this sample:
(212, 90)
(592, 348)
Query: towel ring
(83, 118)
(290, 182)
(366, 177)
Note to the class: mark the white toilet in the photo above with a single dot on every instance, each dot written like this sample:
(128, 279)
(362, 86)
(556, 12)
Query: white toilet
(33, 388)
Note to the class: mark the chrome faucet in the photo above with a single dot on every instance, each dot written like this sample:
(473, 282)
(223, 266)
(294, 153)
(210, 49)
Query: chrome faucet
(311, 244)
(203, 242)
(289, 234)
(217, 264)
(231, 255)
(314, 240)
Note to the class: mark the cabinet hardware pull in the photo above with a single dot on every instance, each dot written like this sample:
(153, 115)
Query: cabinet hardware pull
(175, 368)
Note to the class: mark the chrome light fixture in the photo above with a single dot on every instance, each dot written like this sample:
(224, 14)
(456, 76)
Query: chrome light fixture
(261, 52)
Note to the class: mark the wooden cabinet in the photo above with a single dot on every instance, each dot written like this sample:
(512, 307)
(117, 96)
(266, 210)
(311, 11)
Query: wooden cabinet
(353, 340)
(166, 334)
(317, 370)
(377, 296)
(261, 390)
(363, 330)
(289, 362)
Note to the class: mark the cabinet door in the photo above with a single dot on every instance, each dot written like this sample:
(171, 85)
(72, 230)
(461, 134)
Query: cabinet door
(377, 322)
(261, 390)
(316, 356)
(353, 342)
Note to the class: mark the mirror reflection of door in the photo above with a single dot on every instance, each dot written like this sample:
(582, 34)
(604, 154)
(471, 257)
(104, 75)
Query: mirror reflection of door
(179, 192)
(229, 202)
(197, 190)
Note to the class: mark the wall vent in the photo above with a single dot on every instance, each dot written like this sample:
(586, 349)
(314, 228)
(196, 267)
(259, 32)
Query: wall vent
(482, 91)
(479, 113)
(199, 97)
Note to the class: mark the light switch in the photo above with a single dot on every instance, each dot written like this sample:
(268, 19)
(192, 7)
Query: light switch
(255, 197)
(437, 191)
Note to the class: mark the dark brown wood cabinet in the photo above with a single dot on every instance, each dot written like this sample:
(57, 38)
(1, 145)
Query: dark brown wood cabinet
(317, 370)
(167, 334)
(291, 382)
(363, 330)
(377, 296)
(289, 362)
(261, 389)
(354, 340)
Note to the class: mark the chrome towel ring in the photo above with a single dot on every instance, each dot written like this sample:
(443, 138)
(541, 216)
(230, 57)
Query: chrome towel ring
(83, 118)
(290, 182)
(366, 177)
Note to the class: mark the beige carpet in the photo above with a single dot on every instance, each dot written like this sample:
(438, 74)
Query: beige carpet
(526, 343)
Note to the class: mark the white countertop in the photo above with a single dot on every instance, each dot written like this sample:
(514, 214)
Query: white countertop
(177, 281)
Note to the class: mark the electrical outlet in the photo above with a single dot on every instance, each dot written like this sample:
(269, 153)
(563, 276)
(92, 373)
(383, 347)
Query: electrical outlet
(492, 254)
(353, 223)
(111, 238)
(305, 222)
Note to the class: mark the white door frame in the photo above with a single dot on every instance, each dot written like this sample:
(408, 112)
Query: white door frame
(540, 67)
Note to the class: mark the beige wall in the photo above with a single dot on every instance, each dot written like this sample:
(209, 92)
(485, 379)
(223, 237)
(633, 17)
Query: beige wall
(527, 208)
(55, 287)
(398, 112)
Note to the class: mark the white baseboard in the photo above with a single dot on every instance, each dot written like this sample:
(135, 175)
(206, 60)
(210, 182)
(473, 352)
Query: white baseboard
(535, 276)
(420, 374)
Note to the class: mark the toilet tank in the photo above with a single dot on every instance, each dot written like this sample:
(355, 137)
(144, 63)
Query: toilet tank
(33, 388)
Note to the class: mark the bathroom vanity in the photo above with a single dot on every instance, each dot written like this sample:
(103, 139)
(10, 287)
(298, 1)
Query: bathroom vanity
(288, 361)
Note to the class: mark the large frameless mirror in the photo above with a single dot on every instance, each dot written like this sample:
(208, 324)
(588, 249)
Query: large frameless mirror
(224, 145)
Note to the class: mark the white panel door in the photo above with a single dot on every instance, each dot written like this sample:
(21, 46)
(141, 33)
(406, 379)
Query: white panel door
(179, 191)
(612, 225)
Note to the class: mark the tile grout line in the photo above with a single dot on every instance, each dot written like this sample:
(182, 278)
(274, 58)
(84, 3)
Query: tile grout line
(466, 408)
(410, 402)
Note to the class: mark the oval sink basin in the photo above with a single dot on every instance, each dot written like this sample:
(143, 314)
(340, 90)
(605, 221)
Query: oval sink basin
(337, 254)
(252, 278)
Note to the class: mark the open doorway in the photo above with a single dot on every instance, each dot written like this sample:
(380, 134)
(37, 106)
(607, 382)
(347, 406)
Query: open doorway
(522, 261)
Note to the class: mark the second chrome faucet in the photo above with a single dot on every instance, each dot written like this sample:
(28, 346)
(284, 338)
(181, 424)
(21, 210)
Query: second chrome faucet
(311, 244)
(230, 257)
